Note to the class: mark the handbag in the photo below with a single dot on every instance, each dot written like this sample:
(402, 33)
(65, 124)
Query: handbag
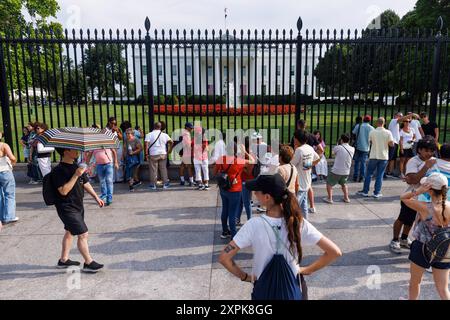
(223, 180)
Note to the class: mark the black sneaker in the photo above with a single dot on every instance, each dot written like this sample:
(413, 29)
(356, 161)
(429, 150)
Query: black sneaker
(68, 263)
(206, 187)
(137, 183)
(131, 188)
(225, 235)
(93, 267)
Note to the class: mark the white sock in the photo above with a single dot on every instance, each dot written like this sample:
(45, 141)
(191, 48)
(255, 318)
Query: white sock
(182, 179)
(191, 179)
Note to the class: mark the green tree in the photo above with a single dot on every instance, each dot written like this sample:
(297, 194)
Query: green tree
(354, 67)
(30, 64)
(103, 64)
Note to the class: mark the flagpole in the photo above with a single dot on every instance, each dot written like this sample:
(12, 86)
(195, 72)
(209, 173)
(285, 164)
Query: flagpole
(225, 19)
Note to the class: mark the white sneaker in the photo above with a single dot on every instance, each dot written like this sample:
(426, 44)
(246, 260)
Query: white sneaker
(429, 270)
(362, 193)
(312, 210)
(327, 200)
(260, 210)
(395, 247)
(11, 221)
(405, 243)
(377, 196)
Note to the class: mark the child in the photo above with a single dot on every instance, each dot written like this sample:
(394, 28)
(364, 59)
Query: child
(131, 150)
(201, 159)
(24, 143)
(322, 166)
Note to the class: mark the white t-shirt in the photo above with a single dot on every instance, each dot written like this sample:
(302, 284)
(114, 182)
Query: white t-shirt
(303, 159)
(407, 137)
(218, 151)
(343, 160)
(259, 150)
(159, 147)
(257, 234)
(394, 128)
(414, 165)
(415, 124)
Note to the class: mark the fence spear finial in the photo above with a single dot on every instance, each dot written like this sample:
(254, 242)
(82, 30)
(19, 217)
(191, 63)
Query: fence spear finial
(147, 25)
(299, 24)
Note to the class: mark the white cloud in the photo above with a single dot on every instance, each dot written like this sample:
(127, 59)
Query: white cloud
(209, 14)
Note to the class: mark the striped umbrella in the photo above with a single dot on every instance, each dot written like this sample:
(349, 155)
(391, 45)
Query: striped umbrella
(83, 139)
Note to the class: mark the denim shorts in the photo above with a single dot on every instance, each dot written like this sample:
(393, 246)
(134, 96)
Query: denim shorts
(417, 256)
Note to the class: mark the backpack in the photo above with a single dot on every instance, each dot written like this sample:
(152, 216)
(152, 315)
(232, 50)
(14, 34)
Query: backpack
(223, 179)
(49, 190)
(277, 281)
(438, 248)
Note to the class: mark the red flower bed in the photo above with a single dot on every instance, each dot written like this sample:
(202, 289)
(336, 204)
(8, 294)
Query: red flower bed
(221, 110)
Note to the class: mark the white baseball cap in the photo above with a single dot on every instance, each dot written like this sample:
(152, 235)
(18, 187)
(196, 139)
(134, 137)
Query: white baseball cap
(256, 135)
(436, 179)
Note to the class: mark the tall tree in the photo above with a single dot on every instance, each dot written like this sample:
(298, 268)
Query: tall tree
(105, 67)
(29, 60)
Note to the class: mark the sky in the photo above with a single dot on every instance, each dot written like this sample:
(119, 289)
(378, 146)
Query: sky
(209, 14)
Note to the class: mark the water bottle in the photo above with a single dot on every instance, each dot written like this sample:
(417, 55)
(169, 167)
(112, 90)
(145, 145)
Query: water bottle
(130, 150)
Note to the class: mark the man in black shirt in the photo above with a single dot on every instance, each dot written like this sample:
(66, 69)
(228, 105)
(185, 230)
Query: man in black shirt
(429, 128)
(70, 182)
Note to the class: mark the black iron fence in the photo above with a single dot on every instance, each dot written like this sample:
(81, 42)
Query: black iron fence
(236, 80)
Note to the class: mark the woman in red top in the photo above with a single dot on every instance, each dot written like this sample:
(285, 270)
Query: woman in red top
(231, 198)
(247, 174)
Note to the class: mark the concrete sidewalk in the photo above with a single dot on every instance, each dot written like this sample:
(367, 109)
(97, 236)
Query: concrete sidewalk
(165, 245)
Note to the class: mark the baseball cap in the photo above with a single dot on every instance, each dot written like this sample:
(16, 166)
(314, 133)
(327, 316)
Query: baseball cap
(367, 118)
(436, 179)
(189, 125)
(272, 184)
(256, 135)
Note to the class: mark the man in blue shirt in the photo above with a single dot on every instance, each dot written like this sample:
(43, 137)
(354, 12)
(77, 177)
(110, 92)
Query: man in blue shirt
(362, 147)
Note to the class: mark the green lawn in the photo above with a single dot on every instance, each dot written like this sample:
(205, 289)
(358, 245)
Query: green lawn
(331, 120)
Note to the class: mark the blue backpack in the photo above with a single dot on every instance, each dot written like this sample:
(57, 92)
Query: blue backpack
(277, 281)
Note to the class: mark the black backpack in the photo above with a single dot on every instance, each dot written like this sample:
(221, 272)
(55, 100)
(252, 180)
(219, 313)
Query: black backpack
(223, 180)
(438, 248)
(49, 190)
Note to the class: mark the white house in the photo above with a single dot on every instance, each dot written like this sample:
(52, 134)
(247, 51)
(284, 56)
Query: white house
(184, 77)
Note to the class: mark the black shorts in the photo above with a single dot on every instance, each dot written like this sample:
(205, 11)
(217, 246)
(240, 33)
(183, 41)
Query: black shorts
(407, 215)
(73, 221)
(407, 153)
(393, 152)
(417, 256)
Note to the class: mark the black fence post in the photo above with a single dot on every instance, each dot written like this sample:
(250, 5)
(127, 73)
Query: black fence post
(4, 99)
(436, 71)
(298, 71)
(148, 59)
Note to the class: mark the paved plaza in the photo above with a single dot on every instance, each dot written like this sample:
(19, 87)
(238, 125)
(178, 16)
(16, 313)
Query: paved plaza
(165, 245)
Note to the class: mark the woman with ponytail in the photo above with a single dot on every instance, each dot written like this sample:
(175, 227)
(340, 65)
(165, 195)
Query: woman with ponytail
(277, 238)
(432, 216)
